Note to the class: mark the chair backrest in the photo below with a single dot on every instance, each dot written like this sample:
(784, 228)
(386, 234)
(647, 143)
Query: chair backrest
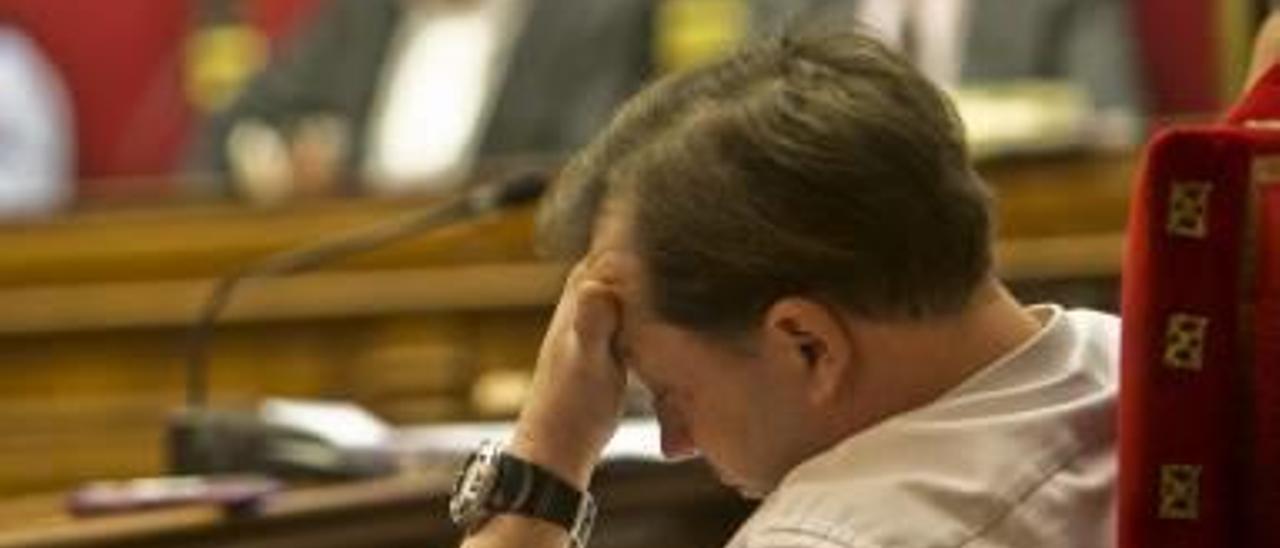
(1200, 382)
(123, 64)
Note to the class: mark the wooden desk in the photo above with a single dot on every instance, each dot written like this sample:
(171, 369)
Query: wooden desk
(675, 506)
(95, 308)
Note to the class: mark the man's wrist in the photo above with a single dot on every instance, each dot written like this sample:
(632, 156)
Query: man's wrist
(572, 464)
(497, 480)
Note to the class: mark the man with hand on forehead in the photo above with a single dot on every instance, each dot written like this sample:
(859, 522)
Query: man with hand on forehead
(790, 249)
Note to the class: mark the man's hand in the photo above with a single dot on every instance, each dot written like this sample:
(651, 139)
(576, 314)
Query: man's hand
(576, 397)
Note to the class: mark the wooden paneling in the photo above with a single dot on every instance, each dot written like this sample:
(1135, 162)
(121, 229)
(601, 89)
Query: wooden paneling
(94, 311)
(81, 406)
(174, 303)
(199, 242)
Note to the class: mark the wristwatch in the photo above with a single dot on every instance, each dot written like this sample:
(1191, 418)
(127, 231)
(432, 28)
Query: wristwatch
(495, 482)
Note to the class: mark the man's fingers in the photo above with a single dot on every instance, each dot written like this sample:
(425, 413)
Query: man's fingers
(597, 320)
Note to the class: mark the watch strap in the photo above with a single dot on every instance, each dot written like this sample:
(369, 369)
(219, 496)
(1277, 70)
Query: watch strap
(531, 490)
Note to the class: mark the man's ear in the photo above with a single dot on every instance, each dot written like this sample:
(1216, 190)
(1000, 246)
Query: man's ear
(814, 340)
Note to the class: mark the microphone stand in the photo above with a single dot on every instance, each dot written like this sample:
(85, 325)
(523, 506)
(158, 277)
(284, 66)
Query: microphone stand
(204, 440)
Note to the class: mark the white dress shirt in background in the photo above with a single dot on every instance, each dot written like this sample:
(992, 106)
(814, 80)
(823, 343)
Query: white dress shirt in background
(445, 67)
(940, 32)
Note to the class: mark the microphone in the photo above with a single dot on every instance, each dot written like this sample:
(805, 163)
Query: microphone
(202, 440)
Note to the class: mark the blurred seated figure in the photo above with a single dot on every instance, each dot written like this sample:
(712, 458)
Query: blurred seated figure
(1266, 45)
(1028, 69)
(35, 130)
(405, 95)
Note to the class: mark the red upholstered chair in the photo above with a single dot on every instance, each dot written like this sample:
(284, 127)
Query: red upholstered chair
(1200, 380)
(122, 61)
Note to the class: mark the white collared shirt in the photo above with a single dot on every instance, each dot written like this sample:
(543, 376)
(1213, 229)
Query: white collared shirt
(1022, 454)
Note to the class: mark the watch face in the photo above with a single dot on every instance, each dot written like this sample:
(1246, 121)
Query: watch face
(474, 485)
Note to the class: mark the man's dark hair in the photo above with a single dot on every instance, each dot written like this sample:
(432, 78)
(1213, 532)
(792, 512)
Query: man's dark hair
(820, 165)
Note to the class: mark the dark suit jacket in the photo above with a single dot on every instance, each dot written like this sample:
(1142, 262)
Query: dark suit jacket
(575, 61)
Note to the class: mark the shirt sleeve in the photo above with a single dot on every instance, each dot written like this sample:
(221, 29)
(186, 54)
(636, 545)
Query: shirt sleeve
(796, 537)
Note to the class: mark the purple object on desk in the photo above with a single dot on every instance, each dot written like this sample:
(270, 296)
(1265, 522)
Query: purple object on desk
(235, 493)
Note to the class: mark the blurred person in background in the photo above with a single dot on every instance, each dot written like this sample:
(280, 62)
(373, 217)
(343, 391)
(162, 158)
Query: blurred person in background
(1266, 45)
(406, 95)
(1071, 63)
(35, 130)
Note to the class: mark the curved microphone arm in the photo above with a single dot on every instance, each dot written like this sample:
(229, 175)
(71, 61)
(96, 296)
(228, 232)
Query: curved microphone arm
(466, 205)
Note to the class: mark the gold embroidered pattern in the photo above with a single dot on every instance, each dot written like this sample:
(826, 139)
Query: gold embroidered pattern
(1179, 491)
(1189, 209)
(1184, 341)
(1266, 169)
